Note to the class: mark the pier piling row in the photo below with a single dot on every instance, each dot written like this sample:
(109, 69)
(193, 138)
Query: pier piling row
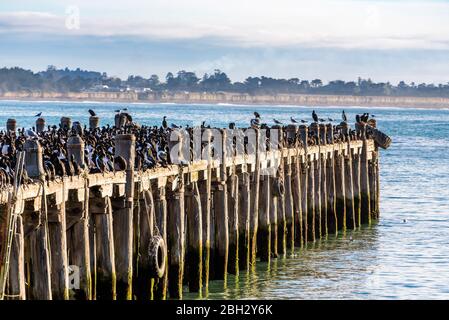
(154, 234)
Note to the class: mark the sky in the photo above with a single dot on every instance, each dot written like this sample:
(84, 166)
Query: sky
(389, 40)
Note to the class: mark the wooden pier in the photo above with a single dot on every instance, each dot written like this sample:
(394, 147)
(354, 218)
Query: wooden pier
(154, 234)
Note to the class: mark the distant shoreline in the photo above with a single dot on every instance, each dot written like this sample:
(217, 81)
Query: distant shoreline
(233, 98)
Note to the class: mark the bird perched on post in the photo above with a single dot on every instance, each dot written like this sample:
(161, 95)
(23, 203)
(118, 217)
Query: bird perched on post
(365, 117)
(315, 116)
(343, 116)
(39, 114)
(277, 122)
(164, 122)
(92, 113)
(255, 123)
(30, 134)
(293, 120)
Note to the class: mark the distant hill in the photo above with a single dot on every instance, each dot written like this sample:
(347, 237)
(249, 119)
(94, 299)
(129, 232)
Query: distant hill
(66, 80)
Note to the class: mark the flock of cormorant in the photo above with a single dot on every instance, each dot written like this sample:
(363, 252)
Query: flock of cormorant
(152, 148)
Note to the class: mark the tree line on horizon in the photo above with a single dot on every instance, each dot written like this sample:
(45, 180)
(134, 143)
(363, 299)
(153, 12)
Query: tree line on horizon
(66, 80)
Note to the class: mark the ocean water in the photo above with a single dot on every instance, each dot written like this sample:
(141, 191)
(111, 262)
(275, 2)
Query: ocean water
(402, 256)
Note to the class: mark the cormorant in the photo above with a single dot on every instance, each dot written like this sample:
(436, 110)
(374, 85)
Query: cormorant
(315, 116)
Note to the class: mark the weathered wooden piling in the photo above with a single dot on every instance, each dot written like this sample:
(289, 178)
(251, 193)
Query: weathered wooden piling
(289, 203)
(348, 180)
(77, 225)
(35, 218)
(100, 207)
(364, 176)
(40, 125)
(264, 225)
(123, 218)
(221, 217)
(355, 156)
(94, 122)
(194, 236)
(176, 235)
(65, 123)
(17, 283)
(316, 188)
(58, 245)
(304, 187)
(11, 125)
(273, 216)
(144, 219)
(281, 213)
(204, 187)
(244, 194)
(323, 186)
(332, 220)
(120, 120)
(161, 285)
(233, 218)
(340, 187)
(311, 230)
(254, 201)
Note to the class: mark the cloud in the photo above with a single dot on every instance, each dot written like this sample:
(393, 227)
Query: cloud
(288, 23)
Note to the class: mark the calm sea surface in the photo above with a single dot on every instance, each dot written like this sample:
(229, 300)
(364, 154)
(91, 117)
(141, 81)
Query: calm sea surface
(404, 256)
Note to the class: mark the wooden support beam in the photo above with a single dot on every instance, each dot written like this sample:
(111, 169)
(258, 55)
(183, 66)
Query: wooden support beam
(340, 190)
(58, 248)
(332, 219)
(176, 235)
(254, 201)
(311, 233)
(105, 274)
(264, 226)
(364, 177)
(144, 219)
(161, 285)
(273, 215)
(221, 219)
(349, 191)
(299, 192)
(123, 219)
(372, 173)
(16, 289)
(194, 238)
(37, 251)
(377, 179)
(323, 168)
(356, 185)
(289, 205)
(233, 205)
(77, 224)
(221, 227)
(316, 178)
(244, 194)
